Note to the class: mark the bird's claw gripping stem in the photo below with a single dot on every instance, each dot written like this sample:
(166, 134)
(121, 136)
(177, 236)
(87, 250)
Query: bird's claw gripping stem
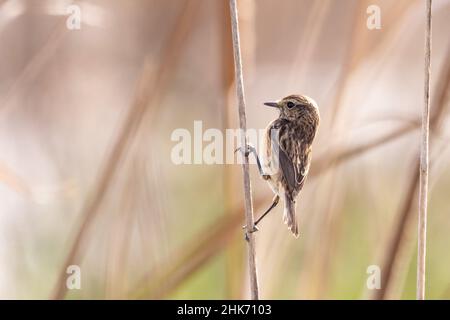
(249, 148)
(255, 228)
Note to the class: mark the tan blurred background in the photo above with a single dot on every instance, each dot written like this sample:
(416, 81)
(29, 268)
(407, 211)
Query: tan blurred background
(86, 176)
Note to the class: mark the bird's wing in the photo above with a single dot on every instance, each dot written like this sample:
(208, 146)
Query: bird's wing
(302, 165)
(294, 161)
(288, 169)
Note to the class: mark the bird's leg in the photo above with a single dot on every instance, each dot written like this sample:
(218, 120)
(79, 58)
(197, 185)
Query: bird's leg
(251, 149)
(275, 201)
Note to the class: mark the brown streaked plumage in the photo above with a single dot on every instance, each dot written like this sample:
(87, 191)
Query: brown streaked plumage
(288, 152)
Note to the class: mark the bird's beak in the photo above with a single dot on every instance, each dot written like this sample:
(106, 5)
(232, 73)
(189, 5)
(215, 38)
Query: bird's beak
(271, 104)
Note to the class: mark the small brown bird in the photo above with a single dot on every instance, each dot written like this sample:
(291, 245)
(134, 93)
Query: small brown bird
(287, 154)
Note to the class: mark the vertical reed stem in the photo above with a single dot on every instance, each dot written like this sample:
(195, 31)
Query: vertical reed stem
(245, 166)
(424, 163)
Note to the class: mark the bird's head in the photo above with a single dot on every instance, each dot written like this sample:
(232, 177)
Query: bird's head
(295, 106)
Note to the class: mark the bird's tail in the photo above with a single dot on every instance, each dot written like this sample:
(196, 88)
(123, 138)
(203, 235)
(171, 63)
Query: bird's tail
(289, 216)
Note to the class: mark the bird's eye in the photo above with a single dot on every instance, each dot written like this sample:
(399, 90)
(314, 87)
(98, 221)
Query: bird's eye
(290, 105)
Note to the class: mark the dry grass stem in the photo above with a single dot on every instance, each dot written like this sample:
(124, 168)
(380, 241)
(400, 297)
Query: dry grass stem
(231, 178)
(245, 166)
(424, 163)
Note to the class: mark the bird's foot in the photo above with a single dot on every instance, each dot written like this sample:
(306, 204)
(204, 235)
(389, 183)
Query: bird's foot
(247, 232)
(249, 148)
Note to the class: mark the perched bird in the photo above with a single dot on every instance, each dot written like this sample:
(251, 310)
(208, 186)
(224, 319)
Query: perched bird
(287, 154)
